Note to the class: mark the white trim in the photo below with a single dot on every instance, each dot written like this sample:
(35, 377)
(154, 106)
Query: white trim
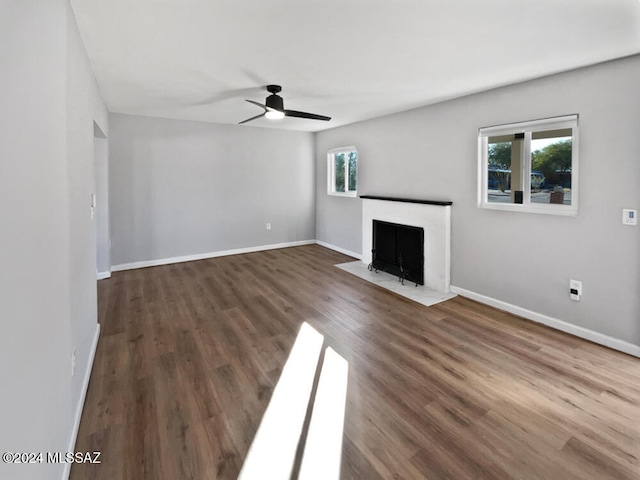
(566, 121)
(351, 194)
(103, 275)
(202, 256)
(552, 322)
(339, 249)
(80, 406)
(549, 209)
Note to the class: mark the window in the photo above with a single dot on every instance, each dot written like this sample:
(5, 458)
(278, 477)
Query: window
(342, 171)
(530, 166)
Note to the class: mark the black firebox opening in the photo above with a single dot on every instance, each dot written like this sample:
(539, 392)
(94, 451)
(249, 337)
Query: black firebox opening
(398, 250)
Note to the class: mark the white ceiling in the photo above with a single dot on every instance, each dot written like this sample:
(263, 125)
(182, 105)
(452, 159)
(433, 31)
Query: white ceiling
(348, 59)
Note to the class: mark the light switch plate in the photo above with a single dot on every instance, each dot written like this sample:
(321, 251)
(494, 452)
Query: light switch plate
(629, 217)
(93, 205)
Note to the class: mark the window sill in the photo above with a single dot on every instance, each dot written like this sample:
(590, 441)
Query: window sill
(562, 210)
(343, 194)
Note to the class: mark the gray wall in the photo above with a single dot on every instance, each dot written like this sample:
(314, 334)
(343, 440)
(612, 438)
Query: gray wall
(180, 188)
(84, 110)
(49, 102)
(522, 259)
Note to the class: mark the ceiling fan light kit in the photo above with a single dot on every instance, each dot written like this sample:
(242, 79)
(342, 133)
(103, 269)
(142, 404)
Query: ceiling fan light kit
(274, 114)
(274, 108)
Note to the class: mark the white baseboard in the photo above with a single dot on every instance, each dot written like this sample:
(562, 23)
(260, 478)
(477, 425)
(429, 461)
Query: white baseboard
(339, 249)
(203, 256)
(103, 275)
(552, 322)
(79, 407)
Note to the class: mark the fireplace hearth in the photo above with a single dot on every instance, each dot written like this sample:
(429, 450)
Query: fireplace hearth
(398, 250)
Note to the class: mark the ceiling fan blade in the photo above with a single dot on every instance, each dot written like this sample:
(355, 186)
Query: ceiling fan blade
(258, 104)
(311, 116)
(252, 118)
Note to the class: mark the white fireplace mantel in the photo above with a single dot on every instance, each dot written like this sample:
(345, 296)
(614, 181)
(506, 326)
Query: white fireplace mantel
(433, 216)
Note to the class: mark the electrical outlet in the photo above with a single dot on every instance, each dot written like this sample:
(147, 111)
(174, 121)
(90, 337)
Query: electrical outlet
(73, 363)
(575, 289)
(268, 226)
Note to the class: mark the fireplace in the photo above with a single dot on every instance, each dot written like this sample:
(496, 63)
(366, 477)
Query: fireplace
(432, 216)
(398, 250)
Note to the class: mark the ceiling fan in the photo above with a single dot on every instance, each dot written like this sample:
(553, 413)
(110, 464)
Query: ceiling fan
(274, 108)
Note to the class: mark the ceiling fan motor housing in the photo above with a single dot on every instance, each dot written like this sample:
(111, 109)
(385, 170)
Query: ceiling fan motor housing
(274, 101)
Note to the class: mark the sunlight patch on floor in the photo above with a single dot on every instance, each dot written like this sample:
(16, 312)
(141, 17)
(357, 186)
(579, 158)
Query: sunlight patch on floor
(273, 452)
(323, 450)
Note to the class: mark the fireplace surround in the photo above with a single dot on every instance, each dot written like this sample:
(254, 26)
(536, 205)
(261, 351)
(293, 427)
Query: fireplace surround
(433, 216)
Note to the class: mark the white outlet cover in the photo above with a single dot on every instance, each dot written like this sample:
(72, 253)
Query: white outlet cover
(576, 285)
(629, 217)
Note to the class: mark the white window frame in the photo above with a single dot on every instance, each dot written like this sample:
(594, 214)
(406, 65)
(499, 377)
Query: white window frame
(331, 174)
(568, 121)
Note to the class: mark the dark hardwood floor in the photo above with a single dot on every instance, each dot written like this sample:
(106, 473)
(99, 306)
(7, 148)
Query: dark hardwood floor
(190, 353)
